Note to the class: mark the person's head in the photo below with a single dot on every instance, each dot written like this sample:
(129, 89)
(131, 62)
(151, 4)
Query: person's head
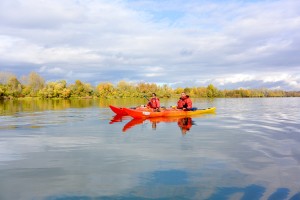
(183, 95)
(153, 94)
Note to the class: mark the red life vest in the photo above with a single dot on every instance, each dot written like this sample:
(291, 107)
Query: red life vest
(185, 103)
(154, 102)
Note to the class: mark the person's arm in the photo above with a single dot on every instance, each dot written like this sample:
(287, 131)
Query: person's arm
(189, 103)
(157, 103)
(179, 104)
(149, 103)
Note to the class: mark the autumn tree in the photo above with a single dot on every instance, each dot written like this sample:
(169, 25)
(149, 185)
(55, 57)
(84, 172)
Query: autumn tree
(14, 87)
(56, 89)
(2, 91)
(106, 90)
(80, 89)
(165, 91)
(146, 88)
(33, 83)
(125, 89)
(201, 92)
(5, 76)
(178, 90)
(211, 91)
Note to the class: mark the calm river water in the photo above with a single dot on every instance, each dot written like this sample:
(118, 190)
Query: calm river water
(70, 150)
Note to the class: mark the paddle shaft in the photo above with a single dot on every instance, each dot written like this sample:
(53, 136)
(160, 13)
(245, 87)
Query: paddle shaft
(146, 98)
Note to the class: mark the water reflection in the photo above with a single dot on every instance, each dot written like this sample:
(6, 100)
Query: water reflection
(170, 185)
(117, 118)
(184, 123)
(12, 107)
(249, 150)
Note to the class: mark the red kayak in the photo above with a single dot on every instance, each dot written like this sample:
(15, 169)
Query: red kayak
(146, 113)
(121, 111)
(118, 110)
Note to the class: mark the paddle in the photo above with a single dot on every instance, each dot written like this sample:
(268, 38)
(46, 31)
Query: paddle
(148, 100)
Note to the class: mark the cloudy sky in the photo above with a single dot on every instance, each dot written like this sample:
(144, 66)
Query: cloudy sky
(182, 43)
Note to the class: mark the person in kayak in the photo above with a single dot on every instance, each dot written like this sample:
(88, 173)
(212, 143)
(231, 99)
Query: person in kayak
(184, 103)
(154, 103)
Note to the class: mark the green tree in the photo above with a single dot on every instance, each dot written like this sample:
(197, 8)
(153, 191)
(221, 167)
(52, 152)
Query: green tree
(212, 91)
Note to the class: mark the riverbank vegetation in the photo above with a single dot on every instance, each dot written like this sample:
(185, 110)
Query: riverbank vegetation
(34, 85)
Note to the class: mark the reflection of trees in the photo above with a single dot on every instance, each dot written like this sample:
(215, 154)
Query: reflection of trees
(36, 105)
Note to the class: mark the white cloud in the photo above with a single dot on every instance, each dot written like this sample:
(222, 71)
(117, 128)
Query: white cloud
(29, 52)
(155, 69)
(152, 74)
(277, 77)
(236, 78)
(56, 70)
(38, 14)
(270, 80)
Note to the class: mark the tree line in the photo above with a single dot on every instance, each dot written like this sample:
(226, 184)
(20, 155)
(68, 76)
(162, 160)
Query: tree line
(33, 85)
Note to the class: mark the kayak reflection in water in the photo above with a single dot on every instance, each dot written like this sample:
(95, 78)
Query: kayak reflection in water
(116, 118)
(185, 124)
(154, 125)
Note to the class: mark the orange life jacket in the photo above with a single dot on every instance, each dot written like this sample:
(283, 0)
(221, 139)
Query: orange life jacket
(185, 103)
(154, 102)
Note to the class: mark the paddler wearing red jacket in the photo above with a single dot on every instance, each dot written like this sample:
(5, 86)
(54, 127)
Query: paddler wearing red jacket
(154, 102)
(184, 102)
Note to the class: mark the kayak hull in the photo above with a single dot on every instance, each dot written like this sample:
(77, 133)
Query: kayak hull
(122, 111)
(118, 110)
(166, 113)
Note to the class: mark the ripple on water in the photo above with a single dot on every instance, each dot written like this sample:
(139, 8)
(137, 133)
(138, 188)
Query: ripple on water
(249, 142)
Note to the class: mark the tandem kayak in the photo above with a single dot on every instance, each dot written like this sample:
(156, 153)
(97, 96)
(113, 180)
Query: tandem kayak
(118, 110)
(121, 111)
(145, 113)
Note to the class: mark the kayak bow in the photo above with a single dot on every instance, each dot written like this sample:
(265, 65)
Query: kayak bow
(118, 110)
